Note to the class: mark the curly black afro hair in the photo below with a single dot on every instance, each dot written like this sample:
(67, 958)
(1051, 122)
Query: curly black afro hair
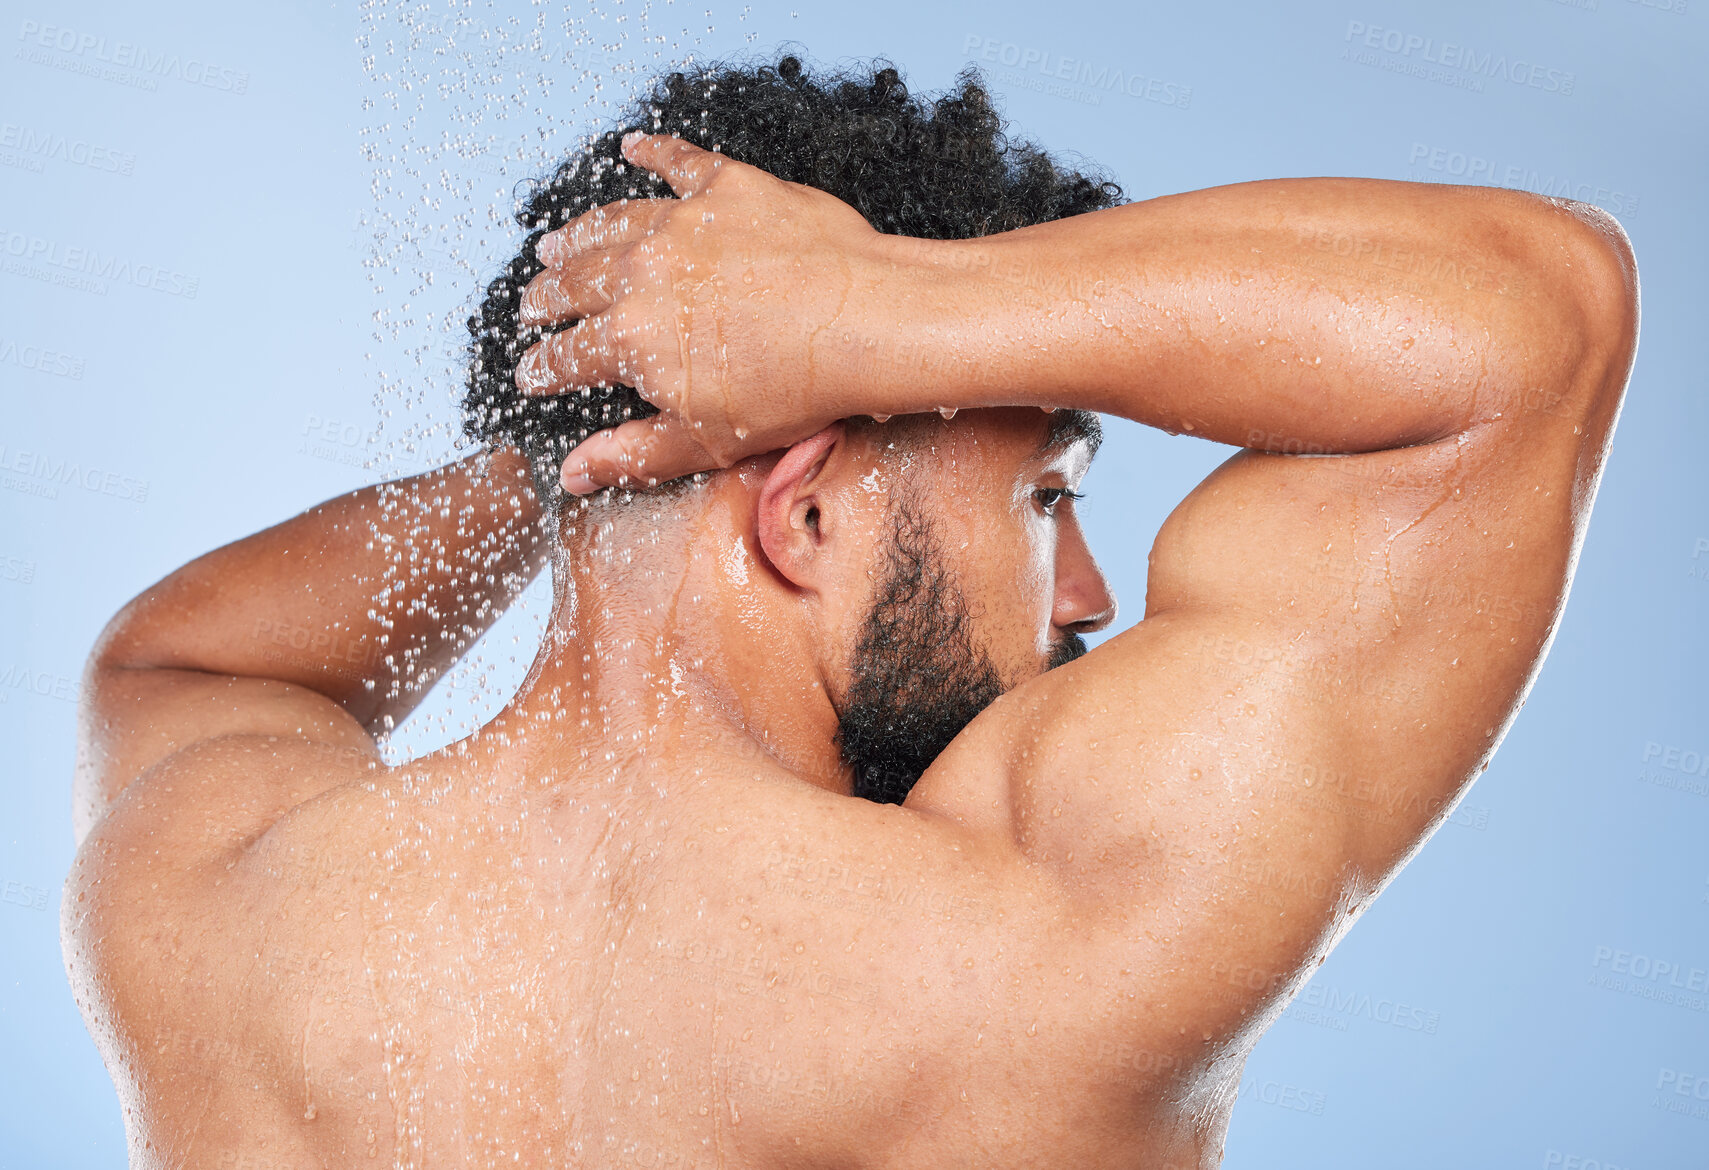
(935, 169)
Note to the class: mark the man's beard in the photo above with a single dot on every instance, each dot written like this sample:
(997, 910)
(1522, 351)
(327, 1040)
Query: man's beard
(918, 675)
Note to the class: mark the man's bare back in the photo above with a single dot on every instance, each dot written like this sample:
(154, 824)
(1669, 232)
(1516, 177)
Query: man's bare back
(780, 984)
(637, 920)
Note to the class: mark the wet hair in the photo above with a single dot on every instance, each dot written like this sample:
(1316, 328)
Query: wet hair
(938, 168)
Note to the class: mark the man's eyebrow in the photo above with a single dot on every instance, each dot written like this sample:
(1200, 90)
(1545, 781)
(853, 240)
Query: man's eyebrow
(1068, 427)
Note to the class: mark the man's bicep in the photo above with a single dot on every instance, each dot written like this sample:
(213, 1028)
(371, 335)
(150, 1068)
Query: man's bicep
(1161, 794)
(133, 718)
(1321, 670)
(1344, 636)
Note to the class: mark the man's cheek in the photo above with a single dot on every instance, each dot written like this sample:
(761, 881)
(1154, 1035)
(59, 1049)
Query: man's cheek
(1035, 619)
(1041, 589)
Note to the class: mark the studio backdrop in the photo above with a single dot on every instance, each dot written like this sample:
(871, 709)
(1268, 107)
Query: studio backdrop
(238, 244)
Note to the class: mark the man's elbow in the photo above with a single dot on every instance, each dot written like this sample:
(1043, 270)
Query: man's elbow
(1602, 273)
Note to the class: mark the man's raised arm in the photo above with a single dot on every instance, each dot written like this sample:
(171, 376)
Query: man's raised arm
(330, 626)
(1375, 614)
(1295, 315)
(1332, 646)
(1318, 315)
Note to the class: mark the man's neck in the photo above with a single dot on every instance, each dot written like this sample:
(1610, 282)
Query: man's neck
(686, 646)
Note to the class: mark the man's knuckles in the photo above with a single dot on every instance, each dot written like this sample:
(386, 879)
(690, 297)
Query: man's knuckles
(540, 299)
(605, 226)
(578, 290)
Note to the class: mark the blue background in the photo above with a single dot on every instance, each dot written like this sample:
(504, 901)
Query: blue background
(334, 186)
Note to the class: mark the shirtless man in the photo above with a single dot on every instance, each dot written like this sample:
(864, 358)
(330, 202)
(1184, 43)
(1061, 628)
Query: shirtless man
(641, 918)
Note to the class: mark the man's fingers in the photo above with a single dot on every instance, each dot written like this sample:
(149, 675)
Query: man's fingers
(582, 355)
(642, 452)
(685, 166)
(606, 226)
(580, 288)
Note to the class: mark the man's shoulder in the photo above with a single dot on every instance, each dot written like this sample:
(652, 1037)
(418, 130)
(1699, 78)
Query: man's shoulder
(200, 911)
(201, 838)
(216, 797)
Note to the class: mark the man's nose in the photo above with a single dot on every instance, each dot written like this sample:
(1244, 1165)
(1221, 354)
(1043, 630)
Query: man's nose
(1084, 604)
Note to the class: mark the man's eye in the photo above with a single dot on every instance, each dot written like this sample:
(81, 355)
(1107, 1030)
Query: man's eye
(1048, 498)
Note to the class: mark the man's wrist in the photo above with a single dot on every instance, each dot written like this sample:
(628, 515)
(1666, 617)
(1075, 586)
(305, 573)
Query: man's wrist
(950, 316)
(886, 350)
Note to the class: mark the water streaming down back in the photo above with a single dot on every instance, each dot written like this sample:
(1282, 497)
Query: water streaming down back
(463, 102)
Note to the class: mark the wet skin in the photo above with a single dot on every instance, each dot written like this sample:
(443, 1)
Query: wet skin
(635, 920)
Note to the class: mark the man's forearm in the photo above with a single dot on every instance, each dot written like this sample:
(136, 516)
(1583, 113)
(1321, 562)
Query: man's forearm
(366, 598)
(1292, 314)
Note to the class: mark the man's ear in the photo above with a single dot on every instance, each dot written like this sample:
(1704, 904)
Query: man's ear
(791, 525)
